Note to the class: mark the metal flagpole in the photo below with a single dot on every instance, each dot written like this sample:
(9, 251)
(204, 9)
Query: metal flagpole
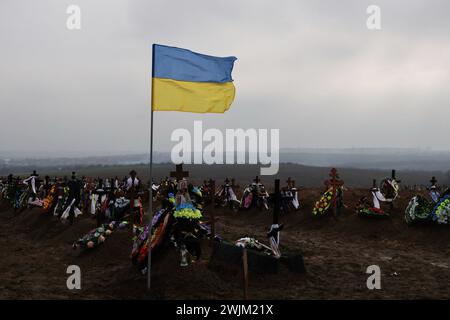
(150, 206)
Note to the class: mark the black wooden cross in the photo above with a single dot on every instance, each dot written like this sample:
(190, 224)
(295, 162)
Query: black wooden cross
(374, 183)
(290, 183)
(394, 177)
(276, 201)
(433, 181)
(274, 232)
(179, 174)
(335, 183)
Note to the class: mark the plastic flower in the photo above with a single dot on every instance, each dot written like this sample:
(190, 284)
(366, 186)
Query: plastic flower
(324, 203)
(441, 212)
(187, 211)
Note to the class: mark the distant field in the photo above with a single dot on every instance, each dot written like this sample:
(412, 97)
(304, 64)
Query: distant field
(306, 176)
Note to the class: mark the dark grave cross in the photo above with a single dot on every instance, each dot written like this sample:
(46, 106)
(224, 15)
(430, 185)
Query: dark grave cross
(433, 181)
(290, 183)
(335, 183)
(394, 176)
(274, 232)
(179, 174)
(276, 201)
(374, 183)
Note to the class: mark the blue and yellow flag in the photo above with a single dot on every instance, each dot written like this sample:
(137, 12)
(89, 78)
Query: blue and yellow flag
(191, 82)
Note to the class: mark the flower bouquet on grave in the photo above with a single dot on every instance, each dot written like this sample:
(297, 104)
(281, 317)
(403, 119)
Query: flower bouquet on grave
(418, 209)
(324, 203)
(253, 244)
(188, 229)
(389, 188)
(441, 212)
(160, 225)
(49, 200)
(97, 236)
(365, 209)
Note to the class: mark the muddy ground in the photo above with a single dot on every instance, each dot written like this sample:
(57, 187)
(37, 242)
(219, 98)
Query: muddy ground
(35, 250)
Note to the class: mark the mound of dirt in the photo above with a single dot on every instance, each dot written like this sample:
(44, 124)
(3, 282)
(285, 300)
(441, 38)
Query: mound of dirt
(35, 251)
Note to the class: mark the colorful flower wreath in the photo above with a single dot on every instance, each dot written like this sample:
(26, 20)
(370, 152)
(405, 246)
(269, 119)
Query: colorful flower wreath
(441, 212)
(418, 209)
(372, 212)
(385, 185)
(49, 199)
(187, 211)
(321, 206)
(98, 235)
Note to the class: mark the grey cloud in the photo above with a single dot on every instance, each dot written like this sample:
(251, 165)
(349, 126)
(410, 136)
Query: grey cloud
(310, 68)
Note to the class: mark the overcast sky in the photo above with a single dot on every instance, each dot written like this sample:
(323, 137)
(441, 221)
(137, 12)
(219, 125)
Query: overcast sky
(309, 68)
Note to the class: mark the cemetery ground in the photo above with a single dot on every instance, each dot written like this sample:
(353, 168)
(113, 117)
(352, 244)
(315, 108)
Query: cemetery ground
(35, 250)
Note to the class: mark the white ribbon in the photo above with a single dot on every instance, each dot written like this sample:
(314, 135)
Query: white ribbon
(435, 195)
(376, 199)
(94, 199)
(65, 214)
(295, 202)
(232, 194)
(33, 183)
(275, 241)
(58, 203)
(379, 196)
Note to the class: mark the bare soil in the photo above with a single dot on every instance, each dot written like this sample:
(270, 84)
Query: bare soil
(35, 250)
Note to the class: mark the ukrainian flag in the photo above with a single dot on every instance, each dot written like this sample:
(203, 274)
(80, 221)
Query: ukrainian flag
(191, 82)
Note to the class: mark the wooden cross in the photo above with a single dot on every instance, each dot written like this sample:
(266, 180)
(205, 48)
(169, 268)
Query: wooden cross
(290, 183)
(433, 181)
(277, 201)
(335, 183)
(274, 232)
(394, 177)
(179, 174)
